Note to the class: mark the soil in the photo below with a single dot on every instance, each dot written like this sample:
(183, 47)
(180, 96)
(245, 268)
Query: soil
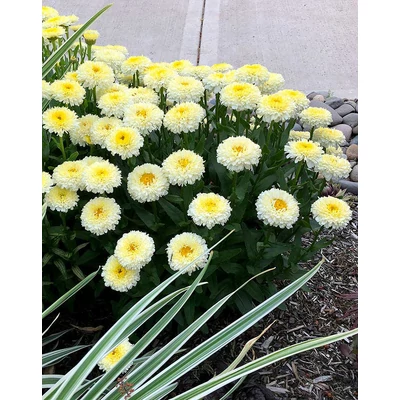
(328, 306)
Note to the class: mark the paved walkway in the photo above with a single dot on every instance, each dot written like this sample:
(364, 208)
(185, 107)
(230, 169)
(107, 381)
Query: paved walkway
(312, 43)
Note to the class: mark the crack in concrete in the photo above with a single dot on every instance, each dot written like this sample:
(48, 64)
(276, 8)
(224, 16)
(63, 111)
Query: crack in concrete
(201, 32)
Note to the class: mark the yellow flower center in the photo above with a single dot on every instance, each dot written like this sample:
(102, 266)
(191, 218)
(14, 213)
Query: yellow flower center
(238, 149)
(333, 208)
(183, 162)
(147, 179)
(280, 204)
(209, 205)
(185, 251)
(98, 212)
(185, 83)
(132, 247)
(95, 68)
(305, 146)
(72, 170)
(238, 88)
(87, 139)
(141, 113)
(67, 86)
(121, 272)
(122, 138)
(182, 110)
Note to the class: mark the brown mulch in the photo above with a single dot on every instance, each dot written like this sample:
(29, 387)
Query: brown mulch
(325, 373)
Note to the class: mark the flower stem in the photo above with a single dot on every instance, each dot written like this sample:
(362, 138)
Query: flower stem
(62, 148)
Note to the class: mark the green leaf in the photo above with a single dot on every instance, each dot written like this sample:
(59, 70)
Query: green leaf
(61, 267)
(173, 212)
(57, 355)
(53, 59)
(243, 302)
(69, 294)
(78, 272)
(148, 218)
(54, 337)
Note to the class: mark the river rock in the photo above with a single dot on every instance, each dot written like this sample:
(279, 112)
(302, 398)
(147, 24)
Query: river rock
(319, 97)
(354, 140)
(351, 187)
(334, 102)
(354, 174)
(346, 129)
(350, 119)
(352, 152)
(351, 103)
(355, 130)
(297, 127)
(344, 109)
(324, 93)
(357, 107)
(336, 118)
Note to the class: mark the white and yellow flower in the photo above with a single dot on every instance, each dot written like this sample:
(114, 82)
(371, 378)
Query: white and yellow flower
(275, 107)
(183, 89)
(180, 65)
(59, 120)
(114, 356)
(209, 209)
(81, 134)
(124, 141)
(134, 250)
(68, 92)
(117, 277)
(144, 95)
(147, 183)
(331, 212)
(329, 137)
(184, 117)
(299, 135)
(60, 199)
(186, 248)
(183, 167)
(316, 117)
(114, 103)
(102, 128)
(158, 77)
(144, 117)
(69, 175)
(47, 182)
(304, 150)
(240, 96)
(100, 215)
(135, 64)
(274, 83)
(333, 167)
(299, 98)
(252, 73)
(278, 208)
(101, 177)
(221, 67)
(216, 81)
(93, 74)
(238, 153)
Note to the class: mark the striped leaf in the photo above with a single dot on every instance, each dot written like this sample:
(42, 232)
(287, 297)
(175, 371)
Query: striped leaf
(54, 356)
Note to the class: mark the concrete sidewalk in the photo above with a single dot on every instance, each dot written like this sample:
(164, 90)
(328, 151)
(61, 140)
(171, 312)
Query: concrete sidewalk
(312, 43)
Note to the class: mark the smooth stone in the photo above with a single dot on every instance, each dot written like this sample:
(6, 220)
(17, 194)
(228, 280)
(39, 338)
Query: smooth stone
(324, 93)
(354, 174)
(351, 103)
(345, 109)
(336, 118)
(334, 102)
(350, 186)
(350, 119)
(352, 152)
(352, 163)
(354, 140)
(357, 107)
(319, 97)
(346, 129)
(355, 130)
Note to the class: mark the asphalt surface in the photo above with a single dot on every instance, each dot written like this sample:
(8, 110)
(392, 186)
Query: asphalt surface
(312, 43)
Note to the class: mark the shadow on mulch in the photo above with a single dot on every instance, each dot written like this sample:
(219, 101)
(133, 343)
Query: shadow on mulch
(327, 307)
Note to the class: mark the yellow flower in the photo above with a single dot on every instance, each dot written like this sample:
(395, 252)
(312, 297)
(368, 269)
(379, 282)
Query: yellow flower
(91, 36)
(331, 212)
(186, 248)
(81, 133)
(333, 167)
(95, 74)
(102, 128)
(209, 209)
(240, 96)
(147, 183)
(238, 153)
(74, 28)
(101, 177)
(68, 92)
(46, 90)
(197, 71)
(299, 135)
(100, 215)
(59, 199)
(252, 73)
(145, 117)
(184, 89)
(218, 80)
(184, 117)
(316, 117)
(117, 277)
(69, 174)
(180, 65)
(110, 56)
(135, 63)
(275, 107)
(304, 150)
(158, 77)
(59, 120)
(329, 137)
(47, 182)
(114, 356)
(143, 95)
(114, 103)
(221, 67)
(71, 76)
(52, 32)
(183, 167)
(49, 12)
(299, 98)
(124, 141)
(278, 208)
(134, 250)
(274, 83)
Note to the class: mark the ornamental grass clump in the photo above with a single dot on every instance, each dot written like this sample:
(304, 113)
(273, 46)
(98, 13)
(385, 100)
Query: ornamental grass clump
(146, 164)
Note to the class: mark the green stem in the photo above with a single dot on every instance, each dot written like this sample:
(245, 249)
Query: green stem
(89, 52)
(298, 172)
(62, 147)
(312, 132)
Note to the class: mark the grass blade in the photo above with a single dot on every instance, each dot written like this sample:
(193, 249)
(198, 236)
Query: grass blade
(56, 355)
